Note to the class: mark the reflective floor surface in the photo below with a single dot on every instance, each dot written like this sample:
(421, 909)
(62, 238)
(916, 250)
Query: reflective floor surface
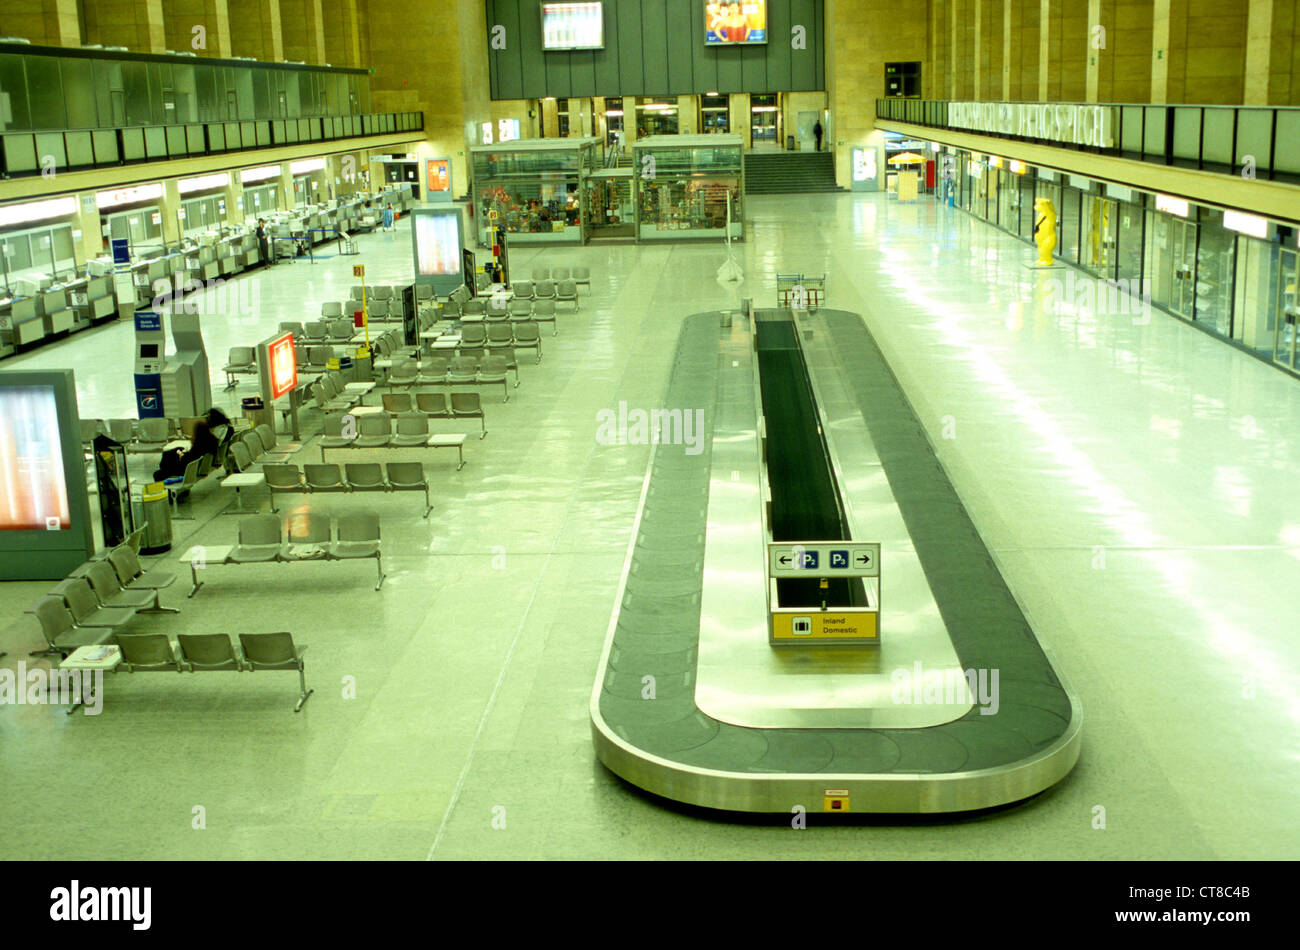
(1135, 479)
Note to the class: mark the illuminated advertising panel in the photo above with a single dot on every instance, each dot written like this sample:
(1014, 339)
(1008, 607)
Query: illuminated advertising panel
(436, 234)
(283, 365)
(33, 486)
(735, 23)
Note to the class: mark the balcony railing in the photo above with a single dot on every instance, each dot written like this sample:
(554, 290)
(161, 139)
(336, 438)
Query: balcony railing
(33, 153)
(1256, 141)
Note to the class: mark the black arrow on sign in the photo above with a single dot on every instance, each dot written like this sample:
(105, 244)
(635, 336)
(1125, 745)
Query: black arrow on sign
(864, 558)
(784, 559)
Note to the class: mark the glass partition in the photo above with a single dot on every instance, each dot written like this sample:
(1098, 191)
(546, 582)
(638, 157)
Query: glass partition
(56, 89)
(534, 188)
(685, 184)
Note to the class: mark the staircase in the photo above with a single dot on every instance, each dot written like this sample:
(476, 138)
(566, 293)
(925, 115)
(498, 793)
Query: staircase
(784, 173)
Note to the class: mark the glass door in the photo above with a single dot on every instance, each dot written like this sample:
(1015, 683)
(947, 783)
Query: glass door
(1097, 250)
(1285, 350)
(764, 121)
(609, 200)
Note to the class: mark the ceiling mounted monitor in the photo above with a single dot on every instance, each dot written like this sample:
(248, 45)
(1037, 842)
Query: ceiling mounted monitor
(568, 26)
(739, 23)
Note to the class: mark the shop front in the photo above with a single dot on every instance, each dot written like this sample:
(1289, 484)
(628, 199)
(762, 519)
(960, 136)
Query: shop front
(685, 184)
(535, 188)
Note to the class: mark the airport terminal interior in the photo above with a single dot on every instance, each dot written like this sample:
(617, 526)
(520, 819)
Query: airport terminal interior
(649, 429)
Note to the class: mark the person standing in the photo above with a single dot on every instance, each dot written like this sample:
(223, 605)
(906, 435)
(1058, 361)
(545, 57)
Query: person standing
(388, 217)
(817, 131)
(263, 242)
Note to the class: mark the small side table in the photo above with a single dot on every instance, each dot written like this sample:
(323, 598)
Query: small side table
(201, 556)
(455, 441)
(90, 659)
(242, 480)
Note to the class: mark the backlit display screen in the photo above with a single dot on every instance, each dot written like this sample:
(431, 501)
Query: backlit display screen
(729, 24)
(437, 244)
(573, 26)
(33, 487)
(284, 365)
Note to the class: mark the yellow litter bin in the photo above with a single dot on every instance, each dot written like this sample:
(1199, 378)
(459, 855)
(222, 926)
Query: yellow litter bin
(157, 512)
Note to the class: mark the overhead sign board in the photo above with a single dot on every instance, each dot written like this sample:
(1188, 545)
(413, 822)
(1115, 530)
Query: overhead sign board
(823, 559)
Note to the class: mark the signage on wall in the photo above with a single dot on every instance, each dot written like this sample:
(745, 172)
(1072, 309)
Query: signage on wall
(1072, 123)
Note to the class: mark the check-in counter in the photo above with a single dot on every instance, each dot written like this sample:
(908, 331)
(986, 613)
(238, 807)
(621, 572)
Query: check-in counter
(178, 267)
(204, 265)
(29, 325)
(230, 254)
(6, 327)
(56, 313)
(92, 301)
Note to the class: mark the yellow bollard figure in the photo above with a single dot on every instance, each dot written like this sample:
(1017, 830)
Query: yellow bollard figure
(1045, 230)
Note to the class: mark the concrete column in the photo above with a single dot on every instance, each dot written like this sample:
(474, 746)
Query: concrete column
(1259, 49)
(980, 38)
(62, 25)
(739, 104)
(287, 199)
(1009, 54)
(234, 193)
(168, 205)
(1044, 48)
(91, 242)
(629, 120)
(258, 32)
(688, 114)
(550, 119)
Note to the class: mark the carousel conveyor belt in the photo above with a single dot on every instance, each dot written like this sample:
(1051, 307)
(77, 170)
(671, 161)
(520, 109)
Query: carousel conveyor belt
(661, 740)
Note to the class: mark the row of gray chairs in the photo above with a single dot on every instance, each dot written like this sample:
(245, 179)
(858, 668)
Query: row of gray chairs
(464, 369)
(264, 539)
(515, 336)
(437, 406)
(354, 477)
(564, 291)
(580, 275)
(97, 599)
(375, 430)
(214, 652)
(138, 435)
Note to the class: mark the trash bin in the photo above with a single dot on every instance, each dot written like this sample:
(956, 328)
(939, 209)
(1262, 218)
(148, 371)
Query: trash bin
(156, 510)
(789, 143)
(256, 412)
(362, 369)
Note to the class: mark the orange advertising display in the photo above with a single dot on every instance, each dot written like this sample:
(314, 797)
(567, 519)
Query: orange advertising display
(439, 175)
(284, 365)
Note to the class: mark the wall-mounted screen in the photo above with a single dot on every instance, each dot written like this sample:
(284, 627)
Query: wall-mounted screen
(728, 24)
(573, 26)
(33, 489)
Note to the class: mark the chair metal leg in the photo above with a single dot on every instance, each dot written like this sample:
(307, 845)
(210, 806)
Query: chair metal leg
(304, 693)
(157, 608)
(379, 566)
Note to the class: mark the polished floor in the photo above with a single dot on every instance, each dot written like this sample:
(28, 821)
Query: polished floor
(1138, 483)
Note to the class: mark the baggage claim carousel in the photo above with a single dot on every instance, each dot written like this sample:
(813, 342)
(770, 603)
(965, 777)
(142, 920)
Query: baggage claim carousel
(951, 706)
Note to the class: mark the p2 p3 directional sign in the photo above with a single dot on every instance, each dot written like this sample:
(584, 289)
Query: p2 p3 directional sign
(823, 559)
